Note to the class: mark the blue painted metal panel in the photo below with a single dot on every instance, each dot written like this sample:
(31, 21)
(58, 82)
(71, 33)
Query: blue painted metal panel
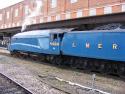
(35, 43)
(55, 43)
(100, 45)
(29, 45)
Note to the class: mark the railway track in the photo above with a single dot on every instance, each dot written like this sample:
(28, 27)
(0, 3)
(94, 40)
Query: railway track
(8, 86)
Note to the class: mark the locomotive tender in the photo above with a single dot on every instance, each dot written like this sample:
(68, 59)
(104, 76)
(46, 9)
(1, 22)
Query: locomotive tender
(62, 45)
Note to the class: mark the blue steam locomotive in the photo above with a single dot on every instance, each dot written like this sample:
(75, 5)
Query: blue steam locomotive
(78, 48)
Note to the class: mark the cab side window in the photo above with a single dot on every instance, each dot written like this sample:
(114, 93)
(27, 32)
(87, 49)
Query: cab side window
(54, 37)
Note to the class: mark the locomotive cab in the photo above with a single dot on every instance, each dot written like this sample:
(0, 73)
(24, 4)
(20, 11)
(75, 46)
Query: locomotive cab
(55, 41)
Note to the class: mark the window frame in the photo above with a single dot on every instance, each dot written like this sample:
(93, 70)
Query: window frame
(8, 14)
(16, 12)
(73, 1)
(53, 3)
(1, 17)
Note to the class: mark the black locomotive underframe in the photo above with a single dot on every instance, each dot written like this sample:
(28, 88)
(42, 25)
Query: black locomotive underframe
(90, 64)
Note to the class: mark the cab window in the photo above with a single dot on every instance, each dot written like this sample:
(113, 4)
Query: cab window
(54, 36)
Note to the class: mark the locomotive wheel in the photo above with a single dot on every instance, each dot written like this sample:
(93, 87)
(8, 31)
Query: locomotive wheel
(59, 61)
(26, 56)
(46, 59)
(73, 63)
(102, 68)
(51, 58)
(85, 64)
(19, 55)
(23, 56)
(92, 65)
(54, 60)
(79, 63)
(12, 53)
(16, 54)
(121, 70)
(67, 61)
(108, 68)
(95, 66)
(114, 69)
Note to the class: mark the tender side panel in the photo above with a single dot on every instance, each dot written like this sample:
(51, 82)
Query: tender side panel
(95, 45)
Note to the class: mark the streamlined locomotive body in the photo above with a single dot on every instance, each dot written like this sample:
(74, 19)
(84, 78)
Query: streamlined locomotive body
(41, 42)
(107, 45)
(82, 49)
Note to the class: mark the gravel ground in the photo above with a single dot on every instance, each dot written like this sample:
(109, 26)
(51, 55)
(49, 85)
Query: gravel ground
(46, 73)
(9, 87)
(20, 74)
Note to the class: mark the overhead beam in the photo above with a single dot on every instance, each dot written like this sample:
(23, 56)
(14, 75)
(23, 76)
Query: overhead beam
(110, 18)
